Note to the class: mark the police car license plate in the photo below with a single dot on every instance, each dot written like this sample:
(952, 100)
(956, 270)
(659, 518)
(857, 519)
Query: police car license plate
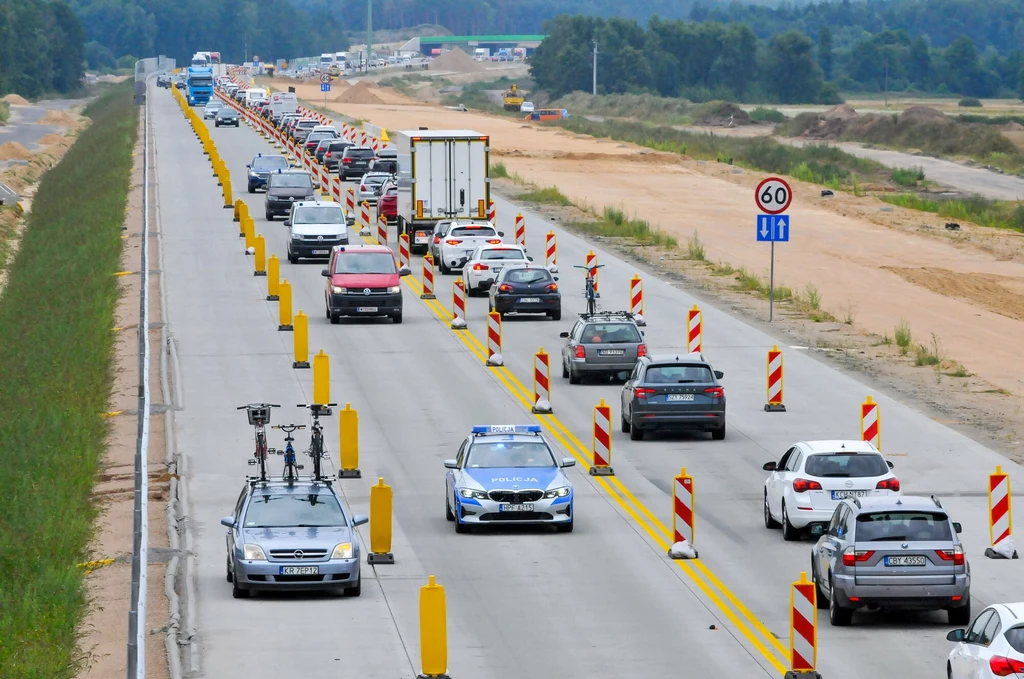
(515, 508)
(366, 309)
(841, 494)
(321, 252)
(905, 561)
(300, 570)
(679, 397)
(611, 352)
(529, 300)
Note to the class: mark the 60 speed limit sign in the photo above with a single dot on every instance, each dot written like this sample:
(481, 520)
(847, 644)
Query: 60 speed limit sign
(773, 195)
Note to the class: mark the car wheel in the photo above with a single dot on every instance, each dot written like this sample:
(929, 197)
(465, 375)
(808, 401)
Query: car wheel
(292, 258)
(960, 617)
(269, 216)
(565, 371)
(769, 522)
(355, 590)
(718, 434)
(335, 318)
(573, 378)
(555, 315)
(448, 508)
(397, 318)
(238, 592)
(635, 433)
(252, 189)
(626, 426)
(444, 268)
(837, 615)
(565, 527)
(789, 533)
(460, 527)
(228, 574)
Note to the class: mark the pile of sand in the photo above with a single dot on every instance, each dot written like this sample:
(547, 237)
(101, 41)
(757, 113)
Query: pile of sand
(458, 61)
(358, 94)
(61, 118)
(925, 114)
(12, 150)
(49, 139)
(1013, 126)
(724, 114)
(15, 100)
(841, 112)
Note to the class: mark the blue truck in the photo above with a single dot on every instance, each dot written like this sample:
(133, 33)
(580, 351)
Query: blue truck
(199, 85)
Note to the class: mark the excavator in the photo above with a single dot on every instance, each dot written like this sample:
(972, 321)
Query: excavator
(513, 100)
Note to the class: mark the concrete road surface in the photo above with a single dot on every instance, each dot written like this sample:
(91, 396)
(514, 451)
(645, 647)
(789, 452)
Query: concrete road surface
(604, 601)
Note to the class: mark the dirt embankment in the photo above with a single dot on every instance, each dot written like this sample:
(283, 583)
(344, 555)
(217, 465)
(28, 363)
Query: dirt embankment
(16, 100)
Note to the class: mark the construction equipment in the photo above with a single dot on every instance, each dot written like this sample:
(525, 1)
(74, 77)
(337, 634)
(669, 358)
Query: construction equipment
(513, 99)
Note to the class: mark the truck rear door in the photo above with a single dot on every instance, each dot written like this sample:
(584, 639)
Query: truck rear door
(450, 177)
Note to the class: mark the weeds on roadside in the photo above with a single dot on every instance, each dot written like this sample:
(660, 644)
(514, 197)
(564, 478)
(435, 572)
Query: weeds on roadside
(550, 195)
(695, 248)
(812, 298)
(499, 170)
(613, 222)
(981, 211)
(908, 176)
(748, 281)
(929, 355)
(903, 337)
(958, 371)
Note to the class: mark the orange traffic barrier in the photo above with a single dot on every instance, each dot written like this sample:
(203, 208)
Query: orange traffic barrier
(601, 446)
(774, 404)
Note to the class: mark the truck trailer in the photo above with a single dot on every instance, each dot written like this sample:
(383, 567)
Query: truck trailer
(442, 174)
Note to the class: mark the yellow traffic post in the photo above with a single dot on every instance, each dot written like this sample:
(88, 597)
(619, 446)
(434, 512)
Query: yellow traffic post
(250, 235)
(433, 631)
(238, 208)
(380, 524)
(227, 194)
(348, 437)
(273, 274)
(243, 214)
(321, 379)
(260, 245)
(301, 341)
(284, 306)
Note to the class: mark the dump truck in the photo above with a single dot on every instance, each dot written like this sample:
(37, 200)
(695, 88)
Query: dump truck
(513, 99)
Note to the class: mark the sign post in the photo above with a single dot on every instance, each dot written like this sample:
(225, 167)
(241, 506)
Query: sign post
(325, 86)
(773, 196)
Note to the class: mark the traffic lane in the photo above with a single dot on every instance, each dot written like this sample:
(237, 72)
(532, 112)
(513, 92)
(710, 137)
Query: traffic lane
(225, 364)
(452, 399)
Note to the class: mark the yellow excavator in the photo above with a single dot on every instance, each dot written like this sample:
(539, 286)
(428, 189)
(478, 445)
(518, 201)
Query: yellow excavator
(513, 100)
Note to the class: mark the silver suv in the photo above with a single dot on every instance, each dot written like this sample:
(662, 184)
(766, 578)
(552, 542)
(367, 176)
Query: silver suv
(893, 553)
(604, 344)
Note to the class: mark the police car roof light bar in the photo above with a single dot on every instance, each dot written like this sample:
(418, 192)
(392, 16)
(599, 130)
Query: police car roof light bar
(506, 429)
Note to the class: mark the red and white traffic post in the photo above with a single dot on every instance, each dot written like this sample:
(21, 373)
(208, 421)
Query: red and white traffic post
(364, 219)
(591, 263)
(350, 200)
(694, 330)
(363, 141)
(1000, 518)
(403, 250)
(521, 231)
(382, 230)
(428, 277)
(550, 250)
(636, 299)
(601, 446)
(541, 383)
(458, 303)
(870, 423)
(494, 357)
(803, 630)
(682, 517)
(492, 214)
(774, 404)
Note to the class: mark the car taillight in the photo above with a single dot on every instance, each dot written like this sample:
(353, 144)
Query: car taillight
(551, 287)
(892, 484)
(1002, 666)
(327, 155)
(643, 392)
(453, 241)
(480, 267)
(504, 287)
(852, 557)
(580, 352)
(719, 392)
(346, 160)
(641, 350)
(494, 241)
(804, 485)
(437, 239)
(956, 555)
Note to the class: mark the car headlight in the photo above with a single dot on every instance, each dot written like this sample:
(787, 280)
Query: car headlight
(252, 552)
(476, 494)
(339, 291)
(342, 551)
(395, 289)
(558, 492)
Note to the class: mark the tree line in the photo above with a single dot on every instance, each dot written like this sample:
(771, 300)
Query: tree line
(713, 60)
(41, 48)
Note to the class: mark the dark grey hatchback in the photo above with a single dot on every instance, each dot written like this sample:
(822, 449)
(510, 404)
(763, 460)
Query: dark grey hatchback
(677, 392)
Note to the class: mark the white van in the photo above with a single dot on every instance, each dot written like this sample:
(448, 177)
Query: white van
(254, 95)
(283, 102)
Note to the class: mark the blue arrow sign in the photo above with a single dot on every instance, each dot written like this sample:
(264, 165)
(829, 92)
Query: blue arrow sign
(325, 87)
(773, 228)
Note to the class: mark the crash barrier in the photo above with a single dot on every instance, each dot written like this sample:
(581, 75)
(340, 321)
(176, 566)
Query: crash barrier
(682, 517)
(774, 403)
(591, 263)
(380, 524)
(870, 423)
(550, 249)
(348, 443)
(433, 631)
(284, 305)
(521, 231)
(301, 342)
(492, 213)
(601, 445)
(1000, 517)
(260, 252)
(803, 629)
(694, 330)
(364, 219)
(636, 299)
(541, 382)
(273, 277)
(428, 277)
(494, 357)
(321, 378)
(403, 250)
(382, 230)
(458, 304)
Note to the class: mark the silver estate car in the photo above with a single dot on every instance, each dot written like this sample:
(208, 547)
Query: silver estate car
(899, 553)
(292, 536)
(603, 344)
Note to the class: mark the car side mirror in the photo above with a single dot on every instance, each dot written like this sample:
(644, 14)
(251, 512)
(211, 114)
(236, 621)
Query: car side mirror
(404, 271)
(568, 461)
(249, 166)
(359, 520)
(451, 464)
(956, 635)
(287, 222)
(563, 334)
(719, 374)
(957, 527)
(529, 259)
(817, 529)
(325, 273)
(889, 463)
(769, 466)
(555, 278)
(228, 521)
(501, 233)
(553, 269)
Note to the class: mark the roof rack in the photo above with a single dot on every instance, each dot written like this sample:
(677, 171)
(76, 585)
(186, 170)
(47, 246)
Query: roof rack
(936, 501)
(598, 314)
(856, 501)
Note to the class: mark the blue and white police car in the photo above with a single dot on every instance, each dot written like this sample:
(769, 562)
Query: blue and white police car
(508, 474)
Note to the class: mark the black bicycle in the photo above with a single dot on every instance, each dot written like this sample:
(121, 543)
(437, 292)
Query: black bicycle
(259, 417)
(317, 448)
(591, 291)
(291, 467)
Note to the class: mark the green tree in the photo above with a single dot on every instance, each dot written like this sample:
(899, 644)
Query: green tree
(791, 73)
(961, 64)
(825, 51)
(919, 63)
(67, 45)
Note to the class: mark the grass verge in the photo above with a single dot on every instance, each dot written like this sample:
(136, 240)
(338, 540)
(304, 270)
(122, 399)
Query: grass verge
(55, 368)
(981, 211)
(614, 223)
(5, 112)
(499, 170)
(550, 195)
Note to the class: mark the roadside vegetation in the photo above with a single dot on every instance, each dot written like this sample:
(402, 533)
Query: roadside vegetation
(55, 368)
(550, 195)
(975, 209)
(613, 222)
(5, 112)
(475, 95)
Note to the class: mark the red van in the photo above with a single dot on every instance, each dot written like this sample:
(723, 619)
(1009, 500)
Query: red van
(363, 280)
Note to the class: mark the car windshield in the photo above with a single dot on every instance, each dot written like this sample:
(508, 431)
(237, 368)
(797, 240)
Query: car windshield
(526, 276)
(374, 179)
(615, 333)
(503, 253)
(365, 262)
(319, 215)
(339, 146)
(485, 454)
(846, 465)
(682, 373)
(269, 163)
(903, 526)
(310, 124)
(316, 137)
(294, 510)
(472, 231)
(291, 181)
(227, 113)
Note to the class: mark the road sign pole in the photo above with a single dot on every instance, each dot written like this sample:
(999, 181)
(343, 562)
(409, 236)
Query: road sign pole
(771, 286)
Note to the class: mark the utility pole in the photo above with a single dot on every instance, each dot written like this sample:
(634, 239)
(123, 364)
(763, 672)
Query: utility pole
(886, 83)
(595, 68)
(369, 32)
(246, 43)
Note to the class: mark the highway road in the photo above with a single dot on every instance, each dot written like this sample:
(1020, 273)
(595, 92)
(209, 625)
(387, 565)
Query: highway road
(603, 601)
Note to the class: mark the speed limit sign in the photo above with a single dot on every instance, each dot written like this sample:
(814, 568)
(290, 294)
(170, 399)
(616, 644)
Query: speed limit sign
(325, 78)
(773, 195)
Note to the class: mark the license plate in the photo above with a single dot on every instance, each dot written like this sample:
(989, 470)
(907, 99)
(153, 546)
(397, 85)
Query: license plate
(515, 508)
(422, 238)
(905, 561)
(529, 300)
(321, 252)
(841, 494)
(467, 252)
(366, 309)
(300, 570)
(679, 397)
(611, 352)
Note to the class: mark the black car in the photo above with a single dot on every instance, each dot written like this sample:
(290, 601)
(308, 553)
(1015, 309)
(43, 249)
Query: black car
(526, 290)
(260, 169)
(285, 187)
(180, 84)
(355, 162)
(384, 165)
(332, 157)
(226, 116)
(673, 392)
(163, 81)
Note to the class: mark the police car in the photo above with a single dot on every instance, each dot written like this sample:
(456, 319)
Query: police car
(508, 474)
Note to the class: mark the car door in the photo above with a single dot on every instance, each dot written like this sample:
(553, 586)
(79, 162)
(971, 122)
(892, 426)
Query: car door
(790, 472)
(965, 663)
(570, 341)
(830, 546)
(233, 533)
(628, 388)
(775, 486)
(454, 476)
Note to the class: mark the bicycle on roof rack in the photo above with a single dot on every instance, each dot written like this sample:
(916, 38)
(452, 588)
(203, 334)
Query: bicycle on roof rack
(317, 448)
(291, 468)
(590, 292)
(259, 417)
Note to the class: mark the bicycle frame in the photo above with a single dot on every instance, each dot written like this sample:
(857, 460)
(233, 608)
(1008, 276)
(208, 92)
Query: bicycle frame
(259, 417)
(291, 468)
(589, 292)
(316, 450)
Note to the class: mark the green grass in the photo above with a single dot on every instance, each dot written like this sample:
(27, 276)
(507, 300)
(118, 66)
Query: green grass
(981, 211)
(908, 176)
(970, 102)
(614, 223)
(672, 110)
(499, 170)
(748, 281)
(812, 297)
(5, 112)
(767, 115)
(550, 195)
(903, 336)
(928, 355)
(695, 248)
(56, 370)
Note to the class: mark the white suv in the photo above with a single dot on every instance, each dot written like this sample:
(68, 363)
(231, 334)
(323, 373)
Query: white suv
(315, 227)
(487, 261)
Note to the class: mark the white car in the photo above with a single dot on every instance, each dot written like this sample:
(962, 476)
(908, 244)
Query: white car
(487, 261)
(527, 107)
(807, 484)
(325, 128)
(462, 240)
(993, 645)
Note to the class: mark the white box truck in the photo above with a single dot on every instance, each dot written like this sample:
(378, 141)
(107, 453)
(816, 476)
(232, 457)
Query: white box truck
(283, 102)
(442, 174)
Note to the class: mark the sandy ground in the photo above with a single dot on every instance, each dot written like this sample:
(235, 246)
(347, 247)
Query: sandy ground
(869, 260)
